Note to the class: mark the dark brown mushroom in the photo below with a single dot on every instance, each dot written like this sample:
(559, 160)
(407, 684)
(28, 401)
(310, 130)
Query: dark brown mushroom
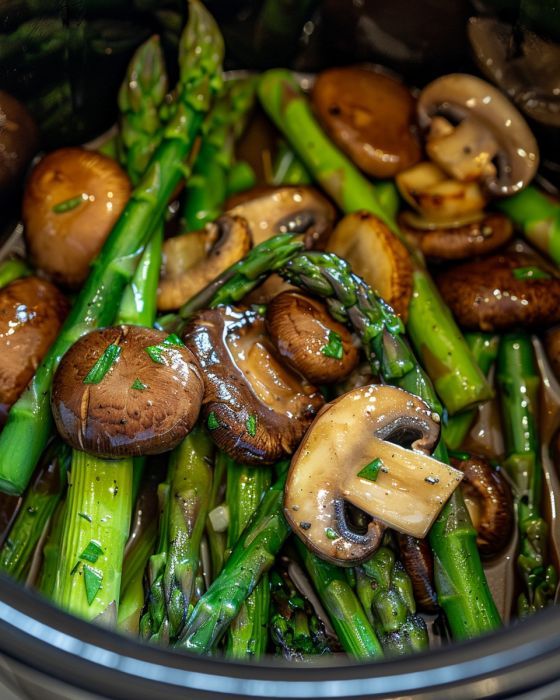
(489, 501)
(501, 292)
(370, 115)
(257, 409)
(309, 339)
(353, 454)
(71, 202)
(418, 561)
(126, 391)
(273, 210)
(486, 234)
(19, 140)
(193, 260)
(552, 346)
(377, 255)
(31, 314)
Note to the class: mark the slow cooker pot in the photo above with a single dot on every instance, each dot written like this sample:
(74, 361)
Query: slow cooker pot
(45, 653)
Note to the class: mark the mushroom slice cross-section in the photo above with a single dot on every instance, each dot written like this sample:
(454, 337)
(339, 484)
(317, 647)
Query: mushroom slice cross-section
(356, 452)
(256, 408)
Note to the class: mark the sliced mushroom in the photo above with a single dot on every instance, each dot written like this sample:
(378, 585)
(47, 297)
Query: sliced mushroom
(441, 199)
(353, 454)
(272, 210)
(71, 202)
(460, 242)
(489, 501)
(488, 140)
(193, 260)
(31, 314)
(256, 408)
(126, 391)
(418, 561)
(19, 139)
(309, 339)
(501, 292)
(375, 254)
(370, 116)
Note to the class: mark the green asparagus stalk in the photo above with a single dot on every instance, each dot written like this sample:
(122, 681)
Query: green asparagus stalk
(252, 556)
(346, 614)
(288, 169)
(443, 351)
(11, 270)
(484, 348)
(39, 504)
(216, 540)
(207, 189)
(241, 177)
(519, 383)
(247, 635)
(141, 95)
(29, 422)
(538, 217)
(51, 552)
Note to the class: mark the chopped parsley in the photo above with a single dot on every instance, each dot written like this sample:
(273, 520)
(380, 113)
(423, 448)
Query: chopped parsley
(103, 364)
(92, 582)
(251, 425)
(530, 273)
(156, 351)
(212, 421)
(69, 204)
(139, 385)
(92, 552)
(371, 470)
(334, 347)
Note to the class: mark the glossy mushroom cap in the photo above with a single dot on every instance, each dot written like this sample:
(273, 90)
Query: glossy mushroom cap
(370, 116)
(126, 391)
(31, 314)
(71, 202)
(309, 339)
(256, 408)
(19, 140)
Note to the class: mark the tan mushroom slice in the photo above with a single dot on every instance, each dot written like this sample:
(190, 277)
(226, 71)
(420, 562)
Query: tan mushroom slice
(375, 254)
(439, 198)
(350, 455)
(489, 140)
(191, 261)
(309, 339)
(501, 292)
(126, 391)
(256, 408)
(272, 210)
(370, 116)
(479, 237)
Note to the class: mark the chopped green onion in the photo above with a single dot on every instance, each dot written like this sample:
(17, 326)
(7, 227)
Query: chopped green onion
(103, 364)
(139, 385)
(156, 351)
(92, 552)
(371, 470)
(69, 204)
(212, 421)
(331, 534)
(92, 582)
(334, 346)
(530, 273)
(251, 425)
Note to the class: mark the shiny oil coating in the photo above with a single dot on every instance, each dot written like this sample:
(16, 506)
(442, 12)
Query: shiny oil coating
(114, 419)
(300, 327)
(484, 295)
(370, 116)
(349, 433)
(64, 243)
(31, 314)
(257, 408)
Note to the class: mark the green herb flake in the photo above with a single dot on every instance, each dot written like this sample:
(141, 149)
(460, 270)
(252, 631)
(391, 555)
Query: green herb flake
(92, 582)
(251, 425)
(156, 351)
(530, 273)
(92, 552)
(212, 421)
(69, 204)
(371, 470)
(103, 364)
(334, 347)
(331, 534)
(139, 385)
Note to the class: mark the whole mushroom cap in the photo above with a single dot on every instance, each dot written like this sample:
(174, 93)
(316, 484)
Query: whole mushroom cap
(19, 140)
(144, 398)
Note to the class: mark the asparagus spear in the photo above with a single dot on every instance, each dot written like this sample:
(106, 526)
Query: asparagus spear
(29, 423)
(458, 380)
(11, 270)
(519, 382)
(51, 552)
(288, 169)
(248, 634)
(216, 540)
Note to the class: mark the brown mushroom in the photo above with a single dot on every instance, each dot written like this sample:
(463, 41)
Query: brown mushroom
(478, 134)
(309, 339)
(31, 314)
(19, 139)
(376, 255)
(418, 561)
(552, 345)
(71, 202)
(370, 115)
(193, 260)
(353, 454)
(501, 292)
(489, 501)
(272, 210)
(126, 391)
(486, 234)
(256, 408)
